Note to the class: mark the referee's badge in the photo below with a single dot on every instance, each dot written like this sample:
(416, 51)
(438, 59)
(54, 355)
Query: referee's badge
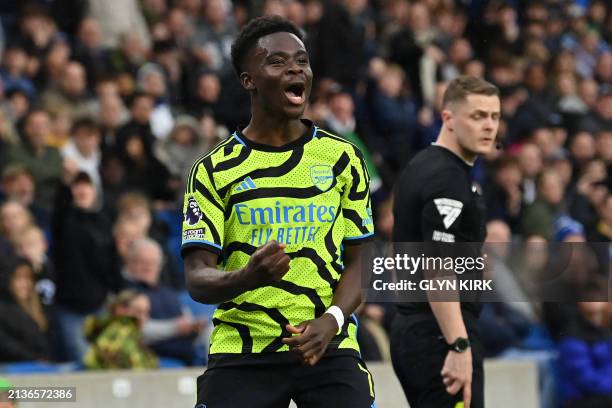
(449, 209)
(322, 176)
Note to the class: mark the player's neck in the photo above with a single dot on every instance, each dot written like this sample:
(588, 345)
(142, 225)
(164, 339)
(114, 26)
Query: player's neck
(272, 131)
(449, 142)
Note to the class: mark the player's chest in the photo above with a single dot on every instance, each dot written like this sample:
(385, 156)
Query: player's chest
(290, 176)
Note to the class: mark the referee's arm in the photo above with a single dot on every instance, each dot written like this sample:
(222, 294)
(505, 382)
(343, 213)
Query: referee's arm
(441, 220)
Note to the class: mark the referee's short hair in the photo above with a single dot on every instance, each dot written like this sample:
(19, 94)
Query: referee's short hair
(459, 88)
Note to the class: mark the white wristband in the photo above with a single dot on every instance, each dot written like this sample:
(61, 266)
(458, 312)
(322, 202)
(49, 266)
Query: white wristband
(338, 315)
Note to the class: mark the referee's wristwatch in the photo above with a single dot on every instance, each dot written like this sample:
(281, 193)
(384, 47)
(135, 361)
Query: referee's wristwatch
(460, 345)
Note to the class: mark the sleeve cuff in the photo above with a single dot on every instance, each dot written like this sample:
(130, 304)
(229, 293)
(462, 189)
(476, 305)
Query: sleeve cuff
(358, 240)
(208, 246)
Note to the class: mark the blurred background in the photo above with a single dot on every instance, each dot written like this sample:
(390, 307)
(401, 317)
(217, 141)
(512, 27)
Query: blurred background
(105, 105)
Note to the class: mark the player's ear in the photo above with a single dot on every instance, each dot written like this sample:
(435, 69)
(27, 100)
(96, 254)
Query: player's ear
(447, 118)
(247, 81)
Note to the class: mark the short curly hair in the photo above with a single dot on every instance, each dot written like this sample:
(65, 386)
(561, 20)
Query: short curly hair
(254, 30)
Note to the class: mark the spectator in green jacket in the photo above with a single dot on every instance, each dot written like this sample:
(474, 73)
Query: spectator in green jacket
(116, 339)
(43, 161)
(540, 216)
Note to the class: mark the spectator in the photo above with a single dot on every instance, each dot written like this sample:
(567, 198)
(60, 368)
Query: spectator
(23, 321)
(54, 64)
(144, 260)
(116, 339)
(82, 233)
(600, 235)
(31, 245)
(588, 90)
(180, 26)
(18, 104)
(531, 163)
(603, 147)
(344, 32)
(213, 38)
(14, 217)
(206, 96)
(106, 87)
(112, 116)
(152, 81)
(115, 21)
(130, 55)
(8, 134)
(141, 107)
(585, 358)
(582, 150)
(505, 197)
(71, 93)
(588, 193)
(13, 71)
(599, 118)
(114, 185)
(212, 131)
(89, 50)
(183, 146)
(540, 216)
(544, 137)
(602, 231)
(37, 30)
(340, 119)
(173, 61)
(61, 122)
(394, 113)
(144, 172)
(84, 149)
(17, 184)
(136, 209)
(44, 162)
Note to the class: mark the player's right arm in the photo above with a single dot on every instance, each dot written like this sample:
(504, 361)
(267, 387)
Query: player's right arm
(207, 284)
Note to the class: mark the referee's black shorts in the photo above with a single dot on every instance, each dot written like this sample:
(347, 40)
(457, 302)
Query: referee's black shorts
(418, 351)
(334, 382)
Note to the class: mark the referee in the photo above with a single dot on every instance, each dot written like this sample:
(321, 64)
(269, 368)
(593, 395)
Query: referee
(435, 349)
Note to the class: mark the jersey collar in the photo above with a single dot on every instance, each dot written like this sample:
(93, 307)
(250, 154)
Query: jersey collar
(310, 134)
(461, 159)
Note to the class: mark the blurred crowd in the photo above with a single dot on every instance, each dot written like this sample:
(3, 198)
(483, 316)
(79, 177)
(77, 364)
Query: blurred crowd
(105, 106)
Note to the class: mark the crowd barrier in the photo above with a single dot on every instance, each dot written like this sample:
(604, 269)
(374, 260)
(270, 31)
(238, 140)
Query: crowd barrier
(508, 384)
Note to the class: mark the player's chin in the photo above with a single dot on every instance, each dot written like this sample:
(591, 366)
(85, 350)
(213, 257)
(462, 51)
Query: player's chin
(484, 146)
(294, 111)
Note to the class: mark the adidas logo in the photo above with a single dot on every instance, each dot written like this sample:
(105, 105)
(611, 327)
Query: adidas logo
(247, 184)
(449, 209)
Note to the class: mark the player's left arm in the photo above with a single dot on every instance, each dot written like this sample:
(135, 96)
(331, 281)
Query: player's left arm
(313, 336)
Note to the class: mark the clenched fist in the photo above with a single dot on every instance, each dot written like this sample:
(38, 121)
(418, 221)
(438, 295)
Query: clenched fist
(267, 265)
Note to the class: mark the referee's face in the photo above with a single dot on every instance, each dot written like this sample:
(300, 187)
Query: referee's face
(279, 75)
(475, 123)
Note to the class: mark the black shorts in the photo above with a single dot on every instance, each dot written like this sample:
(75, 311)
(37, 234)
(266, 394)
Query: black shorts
(338, 382)
(418, 352)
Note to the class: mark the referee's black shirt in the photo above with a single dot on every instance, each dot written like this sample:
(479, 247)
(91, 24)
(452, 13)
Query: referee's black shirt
(435, 201)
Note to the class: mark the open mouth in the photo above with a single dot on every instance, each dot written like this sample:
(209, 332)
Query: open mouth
(296, 93)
